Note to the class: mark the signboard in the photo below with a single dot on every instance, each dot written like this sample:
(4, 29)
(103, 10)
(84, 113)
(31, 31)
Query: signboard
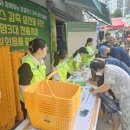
(78, 33)
(22, 21)
(81, 26)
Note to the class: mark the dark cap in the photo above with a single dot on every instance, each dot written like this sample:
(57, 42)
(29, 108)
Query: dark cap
(83, 50)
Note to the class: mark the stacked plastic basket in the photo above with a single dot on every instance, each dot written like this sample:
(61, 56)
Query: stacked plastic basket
(16, 62)
(7, 104)
(52, 105)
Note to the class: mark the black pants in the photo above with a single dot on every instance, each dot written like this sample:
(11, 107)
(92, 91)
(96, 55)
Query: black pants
(23, 109)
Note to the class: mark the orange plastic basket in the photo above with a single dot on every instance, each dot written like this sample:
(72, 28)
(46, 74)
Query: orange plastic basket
(52, 105)
(16, 62)
(7, 102)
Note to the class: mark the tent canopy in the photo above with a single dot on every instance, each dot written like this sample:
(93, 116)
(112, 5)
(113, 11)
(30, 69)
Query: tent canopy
(116, 24)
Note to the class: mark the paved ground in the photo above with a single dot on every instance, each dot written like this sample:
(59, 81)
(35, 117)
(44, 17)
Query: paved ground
(102, 123)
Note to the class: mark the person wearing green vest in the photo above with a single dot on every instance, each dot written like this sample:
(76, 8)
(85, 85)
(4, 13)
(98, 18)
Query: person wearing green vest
(75, 61)
(91, 56)
(60, 65)
(33, 68)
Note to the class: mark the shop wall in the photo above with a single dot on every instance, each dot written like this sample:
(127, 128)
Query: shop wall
(77, 34)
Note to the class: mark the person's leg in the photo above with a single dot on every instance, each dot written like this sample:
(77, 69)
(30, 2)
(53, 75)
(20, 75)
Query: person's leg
(23, 109)
(101, 113)
(116, 121)
(125, 118)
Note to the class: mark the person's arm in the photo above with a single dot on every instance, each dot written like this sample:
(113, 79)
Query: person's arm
(115, 52)
(74, 63)
(90, 55)
(109, 79)
(101, 89)
(25, 77)
(55, 76)
(25, 74)
(75, 60)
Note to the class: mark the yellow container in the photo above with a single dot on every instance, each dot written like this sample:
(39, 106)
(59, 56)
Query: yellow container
(52, 105)
(16, 62)
(7, 104)
(45, 121)
(9, 125)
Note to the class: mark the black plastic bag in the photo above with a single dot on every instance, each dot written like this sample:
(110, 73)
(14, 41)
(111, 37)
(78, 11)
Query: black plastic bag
(110, 105)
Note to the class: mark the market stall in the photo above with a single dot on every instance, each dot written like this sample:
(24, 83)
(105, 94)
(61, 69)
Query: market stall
(116, 24)
(87, 114)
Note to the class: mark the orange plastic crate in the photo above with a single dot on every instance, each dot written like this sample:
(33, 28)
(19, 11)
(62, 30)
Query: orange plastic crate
(50, 122)
(7, 104)
(9, 125)
(4, 103)
(9, 81)
(16, 62)
(49, 102)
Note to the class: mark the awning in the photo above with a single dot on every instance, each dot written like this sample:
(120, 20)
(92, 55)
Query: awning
(94, 8)
(104, 17)
(92, 5)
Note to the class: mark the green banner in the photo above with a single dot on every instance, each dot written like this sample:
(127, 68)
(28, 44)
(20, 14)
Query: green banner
(21, 21)
(81, 26)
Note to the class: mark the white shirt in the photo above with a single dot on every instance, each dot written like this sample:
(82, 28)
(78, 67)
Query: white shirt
(119, 80)
(77, 57)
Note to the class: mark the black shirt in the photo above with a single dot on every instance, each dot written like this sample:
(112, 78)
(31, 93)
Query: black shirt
(25, 74)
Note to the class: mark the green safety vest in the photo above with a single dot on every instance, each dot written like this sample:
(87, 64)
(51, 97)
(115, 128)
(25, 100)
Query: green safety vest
(71, 64)
(62, 69)
(39, 72)
(87, 60)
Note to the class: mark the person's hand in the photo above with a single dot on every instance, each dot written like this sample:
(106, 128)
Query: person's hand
(96, 52)
(93, 91)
